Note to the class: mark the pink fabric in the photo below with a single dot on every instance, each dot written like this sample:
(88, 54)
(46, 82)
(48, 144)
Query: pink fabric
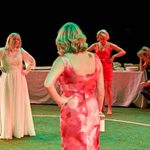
(37, 91)
(80, 121)
(126, 89)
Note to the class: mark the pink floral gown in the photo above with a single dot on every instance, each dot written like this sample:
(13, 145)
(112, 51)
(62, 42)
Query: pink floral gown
(79, 120)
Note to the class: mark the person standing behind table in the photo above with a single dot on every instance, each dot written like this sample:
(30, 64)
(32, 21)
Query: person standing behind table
(144, 64)
(15, 111)
(80, 76)
(103, 48)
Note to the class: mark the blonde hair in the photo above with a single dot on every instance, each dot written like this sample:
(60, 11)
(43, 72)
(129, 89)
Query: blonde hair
(103, 33)
(9, 45)
(70, 39)
(144, 51)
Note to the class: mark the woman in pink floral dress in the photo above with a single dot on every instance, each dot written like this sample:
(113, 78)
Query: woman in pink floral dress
(80, 76)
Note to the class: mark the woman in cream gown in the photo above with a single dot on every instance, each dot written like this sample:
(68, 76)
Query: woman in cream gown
(15, 110)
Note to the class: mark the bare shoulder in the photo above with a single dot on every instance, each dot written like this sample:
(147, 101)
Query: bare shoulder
(116, 47)
(58, 65)
(58, 60)
(90, 54)
(23, 50)
(95, 45)
(2, 50)
(112, 44)
(92, 46)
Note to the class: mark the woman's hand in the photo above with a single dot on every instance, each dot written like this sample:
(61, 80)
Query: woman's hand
(24, 72)
(102, 116)
(2, 69)
(112, 59)
(63, 103)
(145, 84)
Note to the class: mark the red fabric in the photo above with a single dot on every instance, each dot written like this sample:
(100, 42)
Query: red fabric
(106, 62)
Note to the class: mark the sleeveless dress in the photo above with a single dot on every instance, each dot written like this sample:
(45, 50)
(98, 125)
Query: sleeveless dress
(79, 117)
(104, 56)
(15, 112)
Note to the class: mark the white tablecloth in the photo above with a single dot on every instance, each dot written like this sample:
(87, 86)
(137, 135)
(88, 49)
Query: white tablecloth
(125, 88)
(37, 91)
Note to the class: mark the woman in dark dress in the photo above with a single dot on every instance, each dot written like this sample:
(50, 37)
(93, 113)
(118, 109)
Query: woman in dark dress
(144, 56)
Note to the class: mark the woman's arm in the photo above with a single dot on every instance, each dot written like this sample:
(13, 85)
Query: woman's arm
(145, 84)
(119, 50)
(30, 62)
(92, 47)
(1, 56)
(142, 64)
(50, 81)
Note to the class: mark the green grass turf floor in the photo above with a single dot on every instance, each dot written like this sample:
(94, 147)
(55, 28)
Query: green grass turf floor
(127, 129)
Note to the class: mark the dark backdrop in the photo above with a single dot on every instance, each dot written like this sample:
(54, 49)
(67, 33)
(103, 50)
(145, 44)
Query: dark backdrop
(128, 26)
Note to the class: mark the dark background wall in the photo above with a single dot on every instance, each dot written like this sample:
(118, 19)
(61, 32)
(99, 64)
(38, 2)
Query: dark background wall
(128, 26)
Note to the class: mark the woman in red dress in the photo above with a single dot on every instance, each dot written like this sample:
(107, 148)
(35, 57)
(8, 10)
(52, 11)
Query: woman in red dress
(103, 49)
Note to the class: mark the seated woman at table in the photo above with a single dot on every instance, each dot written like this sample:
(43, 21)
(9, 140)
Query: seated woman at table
(144, 64)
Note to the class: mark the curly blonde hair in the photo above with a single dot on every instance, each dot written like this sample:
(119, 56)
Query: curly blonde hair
(103, 33)
(70, 39)
(144, 51)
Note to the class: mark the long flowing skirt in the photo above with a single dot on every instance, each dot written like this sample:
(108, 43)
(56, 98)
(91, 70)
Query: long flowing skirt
(15, 110)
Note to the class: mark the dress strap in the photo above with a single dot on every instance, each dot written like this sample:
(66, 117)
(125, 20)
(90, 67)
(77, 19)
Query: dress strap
(66, 62)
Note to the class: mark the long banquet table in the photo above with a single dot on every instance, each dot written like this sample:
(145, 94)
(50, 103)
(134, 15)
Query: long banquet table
(125, 88)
